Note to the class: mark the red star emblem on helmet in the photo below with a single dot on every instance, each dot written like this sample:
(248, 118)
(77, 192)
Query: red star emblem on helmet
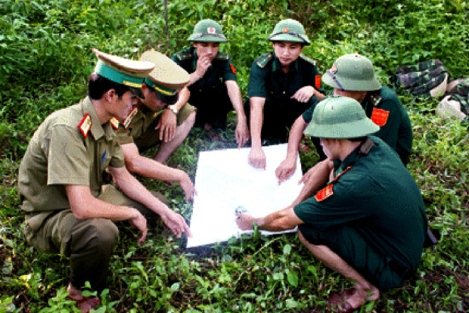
(211, 30)
(285, 30)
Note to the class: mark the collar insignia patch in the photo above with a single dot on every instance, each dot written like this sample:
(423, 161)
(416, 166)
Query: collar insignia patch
(130, 117)
(114, 123)
(85, 125)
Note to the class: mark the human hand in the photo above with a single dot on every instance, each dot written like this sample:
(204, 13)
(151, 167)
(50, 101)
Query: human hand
(241, 133)
(202, 66)
(257, 158)
(140, 222)
(176, 223)
(303, 94)
(244, 221)
(167, 126)
(188, 187)
(285, 170)
(307, 176)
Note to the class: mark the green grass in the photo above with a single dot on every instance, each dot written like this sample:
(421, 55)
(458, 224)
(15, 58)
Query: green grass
(44, 61)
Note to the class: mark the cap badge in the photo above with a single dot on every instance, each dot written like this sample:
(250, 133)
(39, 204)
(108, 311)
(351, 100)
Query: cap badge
(211, 30)
(285, 30)
(333, 69)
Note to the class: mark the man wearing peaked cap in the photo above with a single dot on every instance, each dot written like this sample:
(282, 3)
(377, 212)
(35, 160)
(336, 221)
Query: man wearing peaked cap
(64, 177)
(282, 85)
(159, 118)
(347, 218)
(212, 88)
(353, 75)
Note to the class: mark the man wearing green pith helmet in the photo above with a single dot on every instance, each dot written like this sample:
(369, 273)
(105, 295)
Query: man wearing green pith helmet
(282, 85)
(212, 87)
(348, 219)
(352, 75)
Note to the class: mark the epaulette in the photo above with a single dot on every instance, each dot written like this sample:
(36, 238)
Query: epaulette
(183, 55)
(309, 60)
(264, 59)
(222, 56)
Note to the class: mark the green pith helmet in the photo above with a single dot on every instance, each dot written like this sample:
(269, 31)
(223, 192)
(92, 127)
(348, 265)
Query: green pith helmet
(340, 118)
(289, 30)
(352, 72)
(207, 30)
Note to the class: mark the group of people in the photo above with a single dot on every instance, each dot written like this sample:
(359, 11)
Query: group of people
(359, 212)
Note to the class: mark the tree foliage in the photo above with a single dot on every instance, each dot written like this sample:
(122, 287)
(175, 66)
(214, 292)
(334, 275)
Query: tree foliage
(45, 57)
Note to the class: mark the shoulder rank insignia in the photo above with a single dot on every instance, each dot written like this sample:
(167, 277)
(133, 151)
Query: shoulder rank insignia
(309, 60)
(222, 56)
(324, 193)
(264, 59)
(85, 125)
(379, 116)
(232, 68)
(129, 118)
(317, 81)
(114, 123)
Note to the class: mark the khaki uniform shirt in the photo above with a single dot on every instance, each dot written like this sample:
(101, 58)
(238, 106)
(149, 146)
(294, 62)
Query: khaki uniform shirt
(59, 154)
(141, 129)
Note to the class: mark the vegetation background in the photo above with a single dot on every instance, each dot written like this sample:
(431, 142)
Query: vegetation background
(45, 58)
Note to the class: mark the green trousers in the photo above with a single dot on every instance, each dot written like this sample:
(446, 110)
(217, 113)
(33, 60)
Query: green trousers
(352, 247)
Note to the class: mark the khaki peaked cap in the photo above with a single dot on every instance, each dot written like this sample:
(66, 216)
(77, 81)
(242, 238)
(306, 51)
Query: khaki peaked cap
(122, 71)
(167, 75)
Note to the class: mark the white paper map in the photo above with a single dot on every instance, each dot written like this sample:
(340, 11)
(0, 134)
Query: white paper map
(225, 181)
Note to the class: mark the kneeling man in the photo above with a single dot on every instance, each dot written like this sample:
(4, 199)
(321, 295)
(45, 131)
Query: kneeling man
(368, 221)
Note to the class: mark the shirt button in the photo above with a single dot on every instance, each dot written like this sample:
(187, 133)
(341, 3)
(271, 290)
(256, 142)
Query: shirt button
(283, 92)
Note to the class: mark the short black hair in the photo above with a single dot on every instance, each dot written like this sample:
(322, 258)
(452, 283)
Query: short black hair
(99, 85)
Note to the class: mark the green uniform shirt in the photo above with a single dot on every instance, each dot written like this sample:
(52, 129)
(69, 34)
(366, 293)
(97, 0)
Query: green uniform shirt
(209, 93)
(377, 197)
(220, 71)
(267, 80)
(58, 154)
(385, 109)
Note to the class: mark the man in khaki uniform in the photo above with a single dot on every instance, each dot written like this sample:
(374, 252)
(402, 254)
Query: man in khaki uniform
(69, 159)
(158, 118)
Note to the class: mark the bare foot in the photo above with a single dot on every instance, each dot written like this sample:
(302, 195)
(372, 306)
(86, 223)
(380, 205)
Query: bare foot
(360, 296)
(85, 304)
(351, 299)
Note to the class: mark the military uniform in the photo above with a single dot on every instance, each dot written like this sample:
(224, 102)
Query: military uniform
(386, 111)
(72, 147)
(59, 155)
(141, 129)
(267, 80)
(371, 215)
(209, 94)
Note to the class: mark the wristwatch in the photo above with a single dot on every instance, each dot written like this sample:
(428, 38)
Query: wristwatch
(173, 108)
